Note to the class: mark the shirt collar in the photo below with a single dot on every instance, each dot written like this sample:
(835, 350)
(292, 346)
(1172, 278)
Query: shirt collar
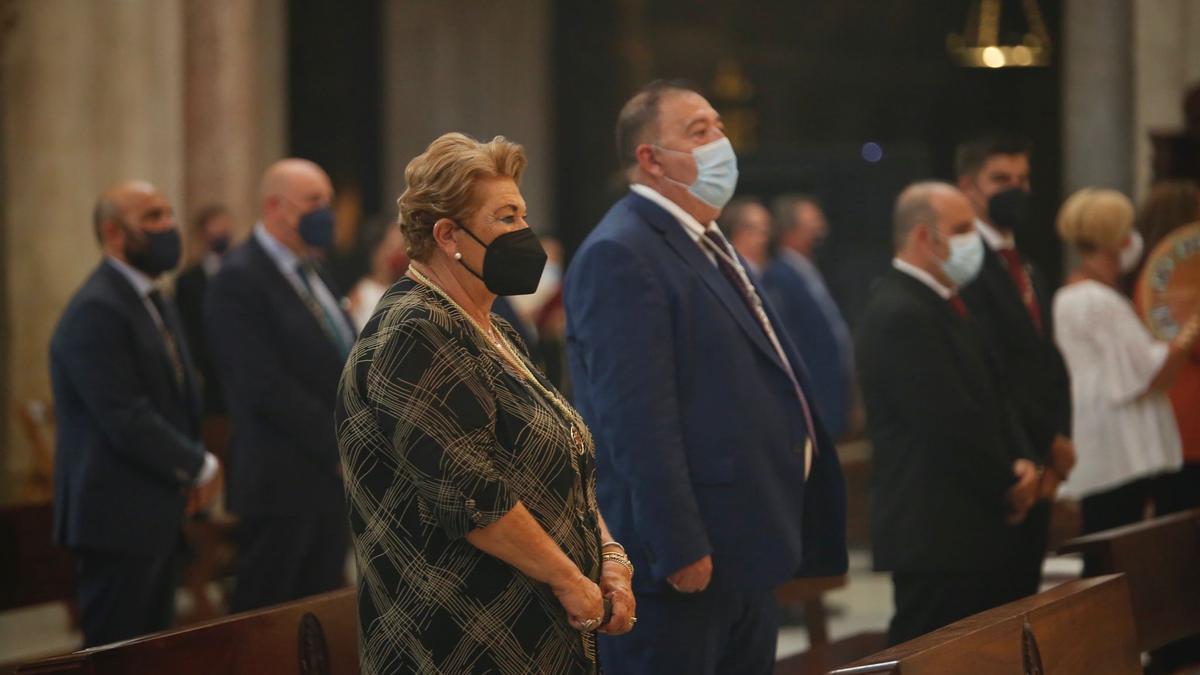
(690, 225)
(997, 240)
(211, 263)
(141, 283)
(283, 256)
(923, 277)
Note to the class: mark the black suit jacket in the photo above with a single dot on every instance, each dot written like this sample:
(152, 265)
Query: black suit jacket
(128, 436)
(280, 373)
(1032, 370)
(944, 443)
(190, 287)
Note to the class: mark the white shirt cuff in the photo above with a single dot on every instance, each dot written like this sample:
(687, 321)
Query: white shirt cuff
(207, 471)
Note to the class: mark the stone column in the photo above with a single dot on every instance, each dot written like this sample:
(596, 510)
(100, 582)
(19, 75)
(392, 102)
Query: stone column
(1166, 64)
(234, 117)
(1098, 94)
(454, 65)
(93, 93)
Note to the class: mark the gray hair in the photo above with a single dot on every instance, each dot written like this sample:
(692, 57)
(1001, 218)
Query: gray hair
(106, 210)
(915, 207)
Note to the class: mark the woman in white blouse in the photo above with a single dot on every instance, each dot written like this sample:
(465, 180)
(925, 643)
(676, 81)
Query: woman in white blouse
(1124, 429)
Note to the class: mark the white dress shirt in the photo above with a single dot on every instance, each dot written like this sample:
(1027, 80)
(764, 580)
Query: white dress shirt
(142, 285)
(997, 240)
(945, 292)
(288, 264)
(1121, 432)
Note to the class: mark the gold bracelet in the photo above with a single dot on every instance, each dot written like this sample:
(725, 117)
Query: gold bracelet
(620, 559)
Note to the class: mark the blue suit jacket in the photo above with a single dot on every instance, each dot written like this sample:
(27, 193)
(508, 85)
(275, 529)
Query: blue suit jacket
(810, 331)
(280, 373)
(128, 437)
(699, 434)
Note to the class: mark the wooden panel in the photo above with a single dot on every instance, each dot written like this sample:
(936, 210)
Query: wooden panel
(33, 569)
(255, 643)
(1161, 559)
(1081, 628)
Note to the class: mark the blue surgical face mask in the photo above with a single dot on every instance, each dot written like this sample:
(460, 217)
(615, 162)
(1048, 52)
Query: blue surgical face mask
(716, 172)
(966, 258)
(316, 227)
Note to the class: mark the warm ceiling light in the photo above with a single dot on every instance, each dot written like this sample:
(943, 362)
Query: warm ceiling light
(978, 46)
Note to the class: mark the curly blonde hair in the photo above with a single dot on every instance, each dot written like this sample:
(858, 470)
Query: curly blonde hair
(1094, 219)
(440, 183)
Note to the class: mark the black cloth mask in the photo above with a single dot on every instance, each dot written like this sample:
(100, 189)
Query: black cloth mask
(512, 263)
(1009, 210)
(158, 252)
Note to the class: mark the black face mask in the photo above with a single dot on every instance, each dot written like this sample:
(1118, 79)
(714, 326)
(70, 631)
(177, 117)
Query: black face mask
(512, 263)
(158, 252)
(219, 245)
(1009, 210)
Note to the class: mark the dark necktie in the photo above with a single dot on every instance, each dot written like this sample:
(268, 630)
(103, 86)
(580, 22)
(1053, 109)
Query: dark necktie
(754, 305)
(328, 322)
(169, 335)
(1020, 278)
(959, 306)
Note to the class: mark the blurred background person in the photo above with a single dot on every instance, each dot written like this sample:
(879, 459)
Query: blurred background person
(1010, 304)
(808, 312)
(209, 238)
(746, 223)
(471, 481)
(1123, 425)
(280, 339)
(128, 406)
(1170, 206)
(384, 246)
(952, 474)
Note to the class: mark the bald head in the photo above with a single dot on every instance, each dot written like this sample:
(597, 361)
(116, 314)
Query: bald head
(927, 203)
(113, 203)
(291, 188)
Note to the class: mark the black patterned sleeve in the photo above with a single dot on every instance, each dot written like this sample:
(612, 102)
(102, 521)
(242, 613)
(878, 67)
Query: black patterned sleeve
(432, 400)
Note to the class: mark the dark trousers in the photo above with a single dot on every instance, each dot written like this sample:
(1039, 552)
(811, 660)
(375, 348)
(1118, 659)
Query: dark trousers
(696, 633)
(926, 601)
(1178, 491)
(288, 557)
(123, 595)
(1031, 549)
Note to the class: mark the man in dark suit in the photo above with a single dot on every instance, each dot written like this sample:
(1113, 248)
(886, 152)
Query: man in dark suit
(212, 230)
(713, 469)
(129, 452)
(1011, 305)
(279, 337)
(811, 317)
(950, 474)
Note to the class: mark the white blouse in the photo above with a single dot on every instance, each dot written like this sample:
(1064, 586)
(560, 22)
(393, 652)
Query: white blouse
(1121, 433)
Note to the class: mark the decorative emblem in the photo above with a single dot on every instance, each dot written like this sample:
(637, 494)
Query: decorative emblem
(1170, 282)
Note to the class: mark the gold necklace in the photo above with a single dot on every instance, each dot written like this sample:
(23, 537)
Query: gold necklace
(580, 434)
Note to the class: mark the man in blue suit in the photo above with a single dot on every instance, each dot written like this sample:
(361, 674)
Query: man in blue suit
(809, 314)
(279, 338)
(129, 454)
(714, 471)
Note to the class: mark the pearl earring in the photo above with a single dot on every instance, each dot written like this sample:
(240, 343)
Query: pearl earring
(458, 256)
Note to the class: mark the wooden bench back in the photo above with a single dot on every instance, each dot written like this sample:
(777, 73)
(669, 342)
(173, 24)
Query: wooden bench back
(1161, 560)
(33, 569)
(314, 636)
(1080, 628)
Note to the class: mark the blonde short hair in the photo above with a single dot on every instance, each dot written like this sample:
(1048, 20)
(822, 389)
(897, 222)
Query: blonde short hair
(1095, 219)
(440, 183)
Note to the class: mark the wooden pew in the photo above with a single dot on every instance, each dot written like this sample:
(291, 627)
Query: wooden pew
(314, 636)
(1161, 559)
(1080, 628)
(33, 570)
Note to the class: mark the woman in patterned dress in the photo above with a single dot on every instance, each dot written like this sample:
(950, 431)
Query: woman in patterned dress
(470, 480)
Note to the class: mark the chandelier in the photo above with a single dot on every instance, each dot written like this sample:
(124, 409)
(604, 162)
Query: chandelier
(978, 46)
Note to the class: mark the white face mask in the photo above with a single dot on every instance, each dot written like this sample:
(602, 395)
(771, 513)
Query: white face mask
(1131, 253)
(716, 172)
(966, 258)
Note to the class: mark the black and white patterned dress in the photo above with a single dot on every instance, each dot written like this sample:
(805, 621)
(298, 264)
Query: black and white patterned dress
(439, 436)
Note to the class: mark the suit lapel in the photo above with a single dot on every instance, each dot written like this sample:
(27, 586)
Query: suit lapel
(965, 345)
(284, 294)
(144, 328)
(689, 250)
